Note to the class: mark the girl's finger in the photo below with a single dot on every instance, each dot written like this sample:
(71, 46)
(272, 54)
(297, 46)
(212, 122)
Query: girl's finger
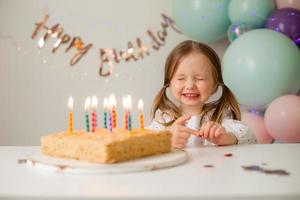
(201, 131)
(188, 130)
(207, 129)
(212, 131)
(181, 120)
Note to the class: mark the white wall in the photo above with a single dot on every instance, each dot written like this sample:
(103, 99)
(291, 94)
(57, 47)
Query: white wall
(35, 84)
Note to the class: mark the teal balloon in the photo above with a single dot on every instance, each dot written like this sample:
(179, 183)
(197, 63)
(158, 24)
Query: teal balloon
(260, 66)
(202, 20)
(252, 12)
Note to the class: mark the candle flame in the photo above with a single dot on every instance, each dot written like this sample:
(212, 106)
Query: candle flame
(110, 103)
(94, 102)
(140, 105)
(113, 100)
(124, 100)
(129, 102)
(70, 103)
(105, 103)
(87, 104)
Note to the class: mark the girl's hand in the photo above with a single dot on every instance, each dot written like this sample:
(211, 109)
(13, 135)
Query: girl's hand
(180, 133)
(216, 133)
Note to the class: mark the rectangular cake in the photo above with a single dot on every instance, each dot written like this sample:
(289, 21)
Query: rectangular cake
(103, 146)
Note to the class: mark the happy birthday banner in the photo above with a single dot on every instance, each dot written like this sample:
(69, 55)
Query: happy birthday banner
(108, 56)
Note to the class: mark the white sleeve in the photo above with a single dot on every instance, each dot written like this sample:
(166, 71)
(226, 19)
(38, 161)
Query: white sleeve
(155, 126)
(242, 132)
(157, 123)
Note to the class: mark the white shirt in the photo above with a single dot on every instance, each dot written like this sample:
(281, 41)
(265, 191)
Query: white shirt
(242, 132)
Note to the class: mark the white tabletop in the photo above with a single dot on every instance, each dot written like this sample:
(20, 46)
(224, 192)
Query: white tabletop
(226, 180)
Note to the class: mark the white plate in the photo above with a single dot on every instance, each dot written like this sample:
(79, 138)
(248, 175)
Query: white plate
(61, 165)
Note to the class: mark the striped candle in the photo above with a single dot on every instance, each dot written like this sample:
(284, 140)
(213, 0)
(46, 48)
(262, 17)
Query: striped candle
(113, 111)
(129, 107)
(87, 106)
(140, 108)
(94, 113)
(109, 122)
(70, 118)
(129, 122)
(124, 102)
(110, 104)
(105, 107)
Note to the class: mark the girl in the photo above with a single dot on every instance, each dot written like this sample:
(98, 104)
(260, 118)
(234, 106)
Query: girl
(193, 76)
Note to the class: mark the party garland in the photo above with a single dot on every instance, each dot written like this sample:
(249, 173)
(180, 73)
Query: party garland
(108, 56)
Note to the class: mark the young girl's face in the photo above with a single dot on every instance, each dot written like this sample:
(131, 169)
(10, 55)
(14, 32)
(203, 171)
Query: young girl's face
(192, 83)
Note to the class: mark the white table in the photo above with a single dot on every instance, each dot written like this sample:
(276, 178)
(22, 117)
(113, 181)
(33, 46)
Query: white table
(227, 180)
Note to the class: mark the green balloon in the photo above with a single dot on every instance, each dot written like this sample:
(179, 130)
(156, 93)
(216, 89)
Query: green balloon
(260, 66)
(251, 12)
(202, 20)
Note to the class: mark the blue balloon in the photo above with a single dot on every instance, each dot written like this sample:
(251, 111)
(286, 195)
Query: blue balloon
(202, 20)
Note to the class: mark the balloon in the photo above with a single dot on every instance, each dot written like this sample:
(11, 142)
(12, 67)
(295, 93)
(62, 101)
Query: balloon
(236, 30)
(202, 20)
(257, 124)
(288, 4)
(260, 66)
(282, 118)
(252, 12)
(286, 21)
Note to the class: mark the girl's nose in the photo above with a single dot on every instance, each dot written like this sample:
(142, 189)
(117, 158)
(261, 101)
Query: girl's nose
(190, 83)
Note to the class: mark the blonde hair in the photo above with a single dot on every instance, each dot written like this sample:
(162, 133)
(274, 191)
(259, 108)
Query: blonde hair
(225, 103)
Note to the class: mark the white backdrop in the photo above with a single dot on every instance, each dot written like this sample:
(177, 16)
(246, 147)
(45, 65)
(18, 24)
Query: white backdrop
(35, 84)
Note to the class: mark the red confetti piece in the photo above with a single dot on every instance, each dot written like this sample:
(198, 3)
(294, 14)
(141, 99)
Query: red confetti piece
(228, 155)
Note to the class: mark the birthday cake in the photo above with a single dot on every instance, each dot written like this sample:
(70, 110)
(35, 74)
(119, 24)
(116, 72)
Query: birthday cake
(103, 146)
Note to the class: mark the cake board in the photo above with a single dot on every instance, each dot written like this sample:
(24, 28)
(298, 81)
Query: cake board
(40, 161)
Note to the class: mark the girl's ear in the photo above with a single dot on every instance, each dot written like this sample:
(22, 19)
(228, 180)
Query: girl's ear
(216, 95)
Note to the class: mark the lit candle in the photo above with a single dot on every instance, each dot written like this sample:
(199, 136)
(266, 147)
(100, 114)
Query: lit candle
(87, 106)
(129, 106)
(110, 114)
(105, 107)
(140, 108)
(70, 106)
(94, 113)
(114, 113)
(125, 105)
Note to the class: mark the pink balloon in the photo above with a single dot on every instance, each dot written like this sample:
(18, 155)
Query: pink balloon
(257, 124)
(288, 4)
(282, 118)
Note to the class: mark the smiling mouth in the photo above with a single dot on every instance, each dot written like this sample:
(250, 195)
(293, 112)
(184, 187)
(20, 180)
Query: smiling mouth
(191, 95)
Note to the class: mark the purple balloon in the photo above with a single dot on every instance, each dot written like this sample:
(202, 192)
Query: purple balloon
(286, 21)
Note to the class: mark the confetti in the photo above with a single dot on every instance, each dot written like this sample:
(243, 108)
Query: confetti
(22, 161)
(208, 166)
(266, 171)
